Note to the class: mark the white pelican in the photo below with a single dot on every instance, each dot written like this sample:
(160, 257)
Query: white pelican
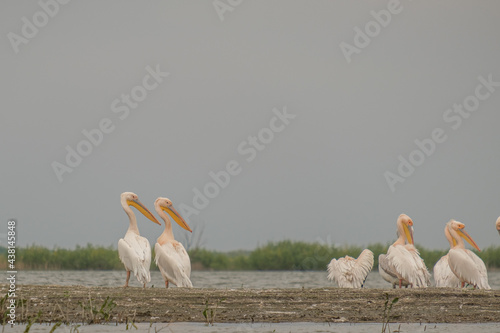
(466, 265)
(443, 275)
(349, 272)
(170, 256)
(404, 259)
(387, 274)
(134, 250)
(498, 225)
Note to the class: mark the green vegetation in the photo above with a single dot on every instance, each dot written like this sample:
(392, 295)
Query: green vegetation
(284, 255)
(387, 312)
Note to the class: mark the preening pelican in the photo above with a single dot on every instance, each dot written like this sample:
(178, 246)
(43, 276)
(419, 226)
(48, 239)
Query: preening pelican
(349, 272)
(386, 273)
(134, 250)
(443, 275)
(498, 225)
(404, 259)
(466, 265)
(170, 256)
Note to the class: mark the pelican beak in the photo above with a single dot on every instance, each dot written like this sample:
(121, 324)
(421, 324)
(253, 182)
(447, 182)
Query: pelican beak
(468, 238)
(408, 233)
(140, 207)
(177, 217)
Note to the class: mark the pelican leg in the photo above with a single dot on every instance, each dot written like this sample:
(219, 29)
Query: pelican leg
(400, 283)
(128, 278)
(463, 284)
(166, 283)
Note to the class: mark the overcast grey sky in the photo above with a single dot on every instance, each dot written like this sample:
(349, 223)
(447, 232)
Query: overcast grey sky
(353, 88)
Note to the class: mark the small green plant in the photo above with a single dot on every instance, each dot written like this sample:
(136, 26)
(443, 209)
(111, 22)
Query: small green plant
(56, 325)
(31, 321)
(387, 312)
(3, 311)
(93, 314)
(210, 316)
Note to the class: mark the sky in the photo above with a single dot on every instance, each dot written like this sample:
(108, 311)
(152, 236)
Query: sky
(315, 121)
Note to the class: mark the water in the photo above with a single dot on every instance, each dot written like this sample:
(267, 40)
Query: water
(207, 279)
(268, 328)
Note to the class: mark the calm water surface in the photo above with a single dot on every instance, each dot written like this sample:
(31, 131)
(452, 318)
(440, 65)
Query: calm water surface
(206, 279)
(268, 328)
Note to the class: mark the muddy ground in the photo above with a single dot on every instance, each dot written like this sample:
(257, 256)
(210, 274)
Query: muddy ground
(76, 304)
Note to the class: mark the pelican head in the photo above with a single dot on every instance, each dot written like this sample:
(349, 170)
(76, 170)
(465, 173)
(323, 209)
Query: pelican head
(406, 224)
(167, 206)
(131, 199)
(498, 225)
(459, 228)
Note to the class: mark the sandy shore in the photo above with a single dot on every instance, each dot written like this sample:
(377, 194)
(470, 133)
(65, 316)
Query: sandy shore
(88, 304)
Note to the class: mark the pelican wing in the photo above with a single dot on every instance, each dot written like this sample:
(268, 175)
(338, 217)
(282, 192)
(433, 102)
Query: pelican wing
(405, 261)
(481, 269)
(174, 264)
(443, 275)
(385, 271)
(135, 253)
(349, 272)
(466, 268)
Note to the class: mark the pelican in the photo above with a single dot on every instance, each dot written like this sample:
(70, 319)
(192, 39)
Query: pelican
(498, 225)
(443, 275)
(404, 259)
(171, 257)
(387, 274)
(134, 250)
(466, 265)
(349, 272)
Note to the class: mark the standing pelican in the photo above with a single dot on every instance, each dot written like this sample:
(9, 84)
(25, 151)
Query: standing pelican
(498, 225)
(349, 272)
(466, 265)
(134, 250)
(386, 273)
(404, 259)
(443, 275)
(171, 257)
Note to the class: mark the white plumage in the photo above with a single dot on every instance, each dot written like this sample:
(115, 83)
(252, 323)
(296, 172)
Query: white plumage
(174, 264)
(404, 260)
(134, 250)
(349, 272)
(170, 256)
(443, 275)
(387, 274)
(135, 254)
(464, 263)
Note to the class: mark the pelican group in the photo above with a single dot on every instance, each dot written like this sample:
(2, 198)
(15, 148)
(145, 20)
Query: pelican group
(170, 256)
(349, 272)
(464, 263)
(403, 259)
(133, 249)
